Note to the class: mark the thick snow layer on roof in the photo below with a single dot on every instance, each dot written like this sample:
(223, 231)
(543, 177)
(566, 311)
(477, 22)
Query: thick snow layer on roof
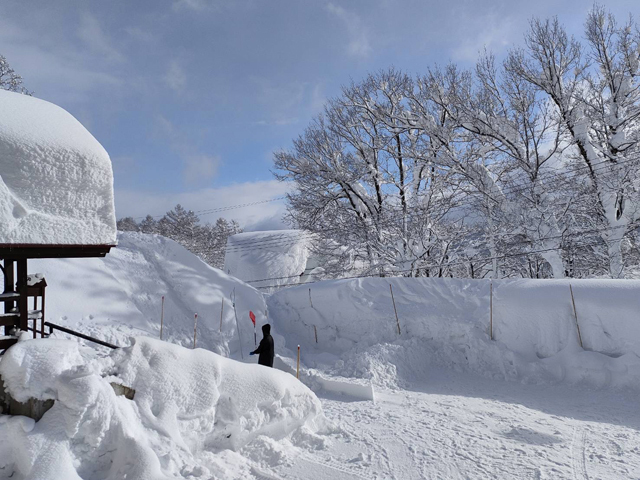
(189, 407)
(279, 255)
(56, 181)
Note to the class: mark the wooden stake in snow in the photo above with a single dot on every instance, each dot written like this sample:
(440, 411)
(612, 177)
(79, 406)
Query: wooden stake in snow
(161, 317)
(298, 365)
(235, 313)
(195, 329)
(310, 302)
(491, 310)
(394, 308)
(315, 331)
(221, 310)
(575, 314)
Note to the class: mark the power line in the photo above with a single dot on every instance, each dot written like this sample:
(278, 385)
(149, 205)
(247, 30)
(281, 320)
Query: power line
(511, 244)
(286, 242)
(441, 265)
(221, 209)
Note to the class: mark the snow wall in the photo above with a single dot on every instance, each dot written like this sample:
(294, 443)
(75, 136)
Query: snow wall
(280, 255)
(189, 408)
(119, 296)
(56, 181)
(445, 323)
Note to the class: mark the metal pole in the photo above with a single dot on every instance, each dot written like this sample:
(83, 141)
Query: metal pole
(310, 302)
(235, 312)
(394, 308)
(575, 314)
(315, 331)
(162, 317)
(491, 311)
(195, 329)
(221, 310)
(298, 366)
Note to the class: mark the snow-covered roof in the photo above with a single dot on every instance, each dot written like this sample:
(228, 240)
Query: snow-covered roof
(278, 255)
(56, 180)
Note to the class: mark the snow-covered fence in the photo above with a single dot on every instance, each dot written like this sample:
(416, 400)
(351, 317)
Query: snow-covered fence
(531, 319)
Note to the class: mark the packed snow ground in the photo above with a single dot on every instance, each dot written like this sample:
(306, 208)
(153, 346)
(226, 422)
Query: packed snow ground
(442, 406)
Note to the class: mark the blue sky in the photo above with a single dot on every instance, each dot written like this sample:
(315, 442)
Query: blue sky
(191, 97)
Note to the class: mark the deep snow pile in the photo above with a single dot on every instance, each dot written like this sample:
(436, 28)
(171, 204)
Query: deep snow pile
(56, 181)
(189, 405)
(445, 322)
(280, 255)
(120, 295)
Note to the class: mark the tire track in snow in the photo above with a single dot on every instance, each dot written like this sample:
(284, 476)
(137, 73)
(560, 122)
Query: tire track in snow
(578, 462)
(334, 466)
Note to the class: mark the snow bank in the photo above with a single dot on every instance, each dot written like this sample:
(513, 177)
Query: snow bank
(445, 322)
(56, 181)
(252, 256)
(189, 406)
(119, 296)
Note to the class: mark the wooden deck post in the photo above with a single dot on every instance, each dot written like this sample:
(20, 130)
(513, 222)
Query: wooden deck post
(23, 306)
(9, 281)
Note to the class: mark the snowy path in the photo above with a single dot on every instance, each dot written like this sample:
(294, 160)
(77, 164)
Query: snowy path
(466, 427)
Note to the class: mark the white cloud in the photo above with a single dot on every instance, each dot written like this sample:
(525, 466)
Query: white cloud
(95, 38)
(135, 203)
(196, 5)
(491, 32)
(359, 45)
(199, 169)
(175, 77)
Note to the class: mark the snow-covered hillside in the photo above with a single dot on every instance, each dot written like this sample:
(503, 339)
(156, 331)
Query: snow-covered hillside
(269, 258)
(119, 296)
(442, 408)
(446, 323)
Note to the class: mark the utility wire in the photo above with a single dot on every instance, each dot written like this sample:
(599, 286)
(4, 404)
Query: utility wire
(439, 265)
(520, 242)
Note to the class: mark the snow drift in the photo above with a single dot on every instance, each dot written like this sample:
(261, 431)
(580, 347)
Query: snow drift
(445, 322)
(56, 181)
(280, 256)
(188, 405)
(119, 296)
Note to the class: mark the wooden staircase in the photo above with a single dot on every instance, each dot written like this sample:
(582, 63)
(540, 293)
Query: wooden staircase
(10, 321)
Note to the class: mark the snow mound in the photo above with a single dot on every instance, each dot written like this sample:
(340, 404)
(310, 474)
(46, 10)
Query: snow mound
(445, 323)
(280, 255)
(56, 181)
(189, 406)
(120, 296)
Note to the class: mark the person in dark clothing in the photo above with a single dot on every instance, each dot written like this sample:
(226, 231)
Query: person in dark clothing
(265, 349)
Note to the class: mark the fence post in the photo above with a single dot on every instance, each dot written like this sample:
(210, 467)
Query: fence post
(195, 329)
(235, 313)
(575, 314)
(491, 310)
(315, 331)
(394, 308)
(221, 310)
(162, 317)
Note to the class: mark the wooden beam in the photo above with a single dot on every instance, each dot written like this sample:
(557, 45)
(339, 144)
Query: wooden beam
(53, 251)
(8, 287)
(23, 307)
